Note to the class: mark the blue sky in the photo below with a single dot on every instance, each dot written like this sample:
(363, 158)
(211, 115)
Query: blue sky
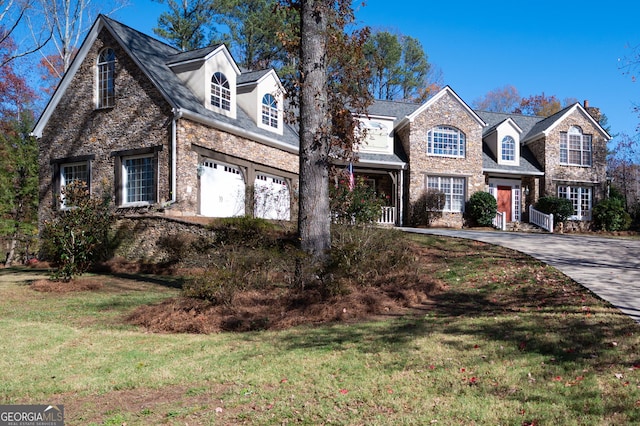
(563, 48)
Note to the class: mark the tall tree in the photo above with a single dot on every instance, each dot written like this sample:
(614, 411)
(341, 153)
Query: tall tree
(504, 99)
(399, 66)
(329, 84)
(18, 156)
(186, 23)
(18, 16)
(383, 51)
(623, 165)
(251, 29)
(415, 69)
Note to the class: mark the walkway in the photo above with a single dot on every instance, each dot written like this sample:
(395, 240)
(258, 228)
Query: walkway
(609, 267)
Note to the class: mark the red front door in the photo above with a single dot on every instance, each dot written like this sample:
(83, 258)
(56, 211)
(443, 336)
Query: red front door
(504, 201)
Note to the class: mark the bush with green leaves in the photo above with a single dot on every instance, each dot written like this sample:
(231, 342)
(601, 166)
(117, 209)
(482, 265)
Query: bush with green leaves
(360, 204)
(561, 208)
(610, 215)
(427, 208)
(78, 235)
(482, 208)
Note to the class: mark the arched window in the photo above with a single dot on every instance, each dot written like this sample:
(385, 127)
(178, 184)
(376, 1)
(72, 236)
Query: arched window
(508, 149)
(269, 111)
(575, 147)
(106, 78)
(220, 92)
(446, 141)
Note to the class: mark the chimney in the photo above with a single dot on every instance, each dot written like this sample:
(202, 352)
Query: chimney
(593, 111)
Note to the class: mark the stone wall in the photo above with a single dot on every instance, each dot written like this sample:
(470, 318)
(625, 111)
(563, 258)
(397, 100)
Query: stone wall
(556, 173)
(140, 118)
(197, 140)
(446, 111)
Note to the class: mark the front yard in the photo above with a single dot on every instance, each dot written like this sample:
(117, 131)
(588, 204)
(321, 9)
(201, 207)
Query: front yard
(501, 339)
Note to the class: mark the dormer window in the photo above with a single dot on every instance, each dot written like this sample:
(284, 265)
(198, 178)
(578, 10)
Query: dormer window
(220, 92)
(106, 78)
(269, 111)
(508, 149)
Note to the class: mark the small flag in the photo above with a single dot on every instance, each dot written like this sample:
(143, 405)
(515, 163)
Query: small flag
(352, 179)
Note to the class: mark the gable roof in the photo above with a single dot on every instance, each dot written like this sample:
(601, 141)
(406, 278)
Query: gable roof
(154, 58)
(543, 127)
(442, 93)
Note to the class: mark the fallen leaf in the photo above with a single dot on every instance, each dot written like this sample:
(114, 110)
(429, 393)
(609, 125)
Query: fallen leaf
(344, 391)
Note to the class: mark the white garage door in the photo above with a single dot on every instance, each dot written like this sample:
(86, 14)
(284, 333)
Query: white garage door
(222, 190)
(272, 198)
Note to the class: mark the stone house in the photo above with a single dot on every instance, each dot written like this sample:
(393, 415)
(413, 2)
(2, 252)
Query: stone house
(446, 146)
(184, 133)
(189, 133)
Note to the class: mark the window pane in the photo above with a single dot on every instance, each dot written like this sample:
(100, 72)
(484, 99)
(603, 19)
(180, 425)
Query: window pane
(106, 78)
(453, 189)
(139, 178)
(220, 91)
(446, 141)
(508, 148)
(269, 111)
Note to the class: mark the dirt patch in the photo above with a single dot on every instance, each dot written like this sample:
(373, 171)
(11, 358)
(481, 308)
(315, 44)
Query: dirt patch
(278, 309)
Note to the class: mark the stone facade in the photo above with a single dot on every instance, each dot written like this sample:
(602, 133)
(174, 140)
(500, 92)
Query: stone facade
(594, 176)
(78, 130)
(142, 121)
(197, 141)
(446, 111)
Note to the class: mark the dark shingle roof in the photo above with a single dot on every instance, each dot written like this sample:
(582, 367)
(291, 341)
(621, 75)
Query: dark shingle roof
(153, 58)
(493, 119)
(528, 163)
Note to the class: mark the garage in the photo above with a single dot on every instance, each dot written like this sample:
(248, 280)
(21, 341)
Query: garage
(222, 190)
(272, 197)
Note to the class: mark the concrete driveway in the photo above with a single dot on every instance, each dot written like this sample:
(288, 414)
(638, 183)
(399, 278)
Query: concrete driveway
(609, 267)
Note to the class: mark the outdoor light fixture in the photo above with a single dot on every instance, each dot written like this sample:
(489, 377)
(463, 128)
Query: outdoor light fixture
(526, 191)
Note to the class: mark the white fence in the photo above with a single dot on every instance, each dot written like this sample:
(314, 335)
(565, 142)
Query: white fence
(500, 221)
(544, 221)
(388, 216)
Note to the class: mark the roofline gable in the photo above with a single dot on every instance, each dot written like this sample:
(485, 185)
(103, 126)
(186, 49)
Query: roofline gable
(91, 37)
(221, 48)
(446, 90)
(271, 73)
(564, 114)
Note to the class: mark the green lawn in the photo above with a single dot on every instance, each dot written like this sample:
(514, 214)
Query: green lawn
(510, 342)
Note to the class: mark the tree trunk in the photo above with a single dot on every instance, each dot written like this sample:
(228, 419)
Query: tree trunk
(314, 219)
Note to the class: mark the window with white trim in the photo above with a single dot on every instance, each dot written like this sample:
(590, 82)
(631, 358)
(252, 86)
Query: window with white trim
(575, 147)
(453, 189)
(446, 141)
(508, 149)
(106, 78)
(138, 180)
(72, 172)
(269, 111)
(220, 92)
(581, 199)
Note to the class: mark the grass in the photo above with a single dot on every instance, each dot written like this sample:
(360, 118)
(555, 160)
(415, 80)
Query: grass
(509, 342)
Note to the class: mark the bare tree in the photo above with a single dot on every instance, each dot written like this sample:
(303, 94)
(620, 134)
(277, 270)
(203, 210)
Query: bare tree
(17, 15)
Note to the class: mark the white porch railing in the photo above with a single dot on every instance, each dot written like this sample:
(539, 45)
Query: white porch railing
(500, 221)
(543, 220)
(388, 216)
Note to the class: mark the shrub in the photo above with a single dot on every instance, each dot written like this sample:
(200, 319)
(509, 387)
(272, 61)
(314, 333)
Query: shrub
(561, 208)
(360, 204)
(610, 215)
(362, 254)
(78, 236)
(427, 208)
(483, 208)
